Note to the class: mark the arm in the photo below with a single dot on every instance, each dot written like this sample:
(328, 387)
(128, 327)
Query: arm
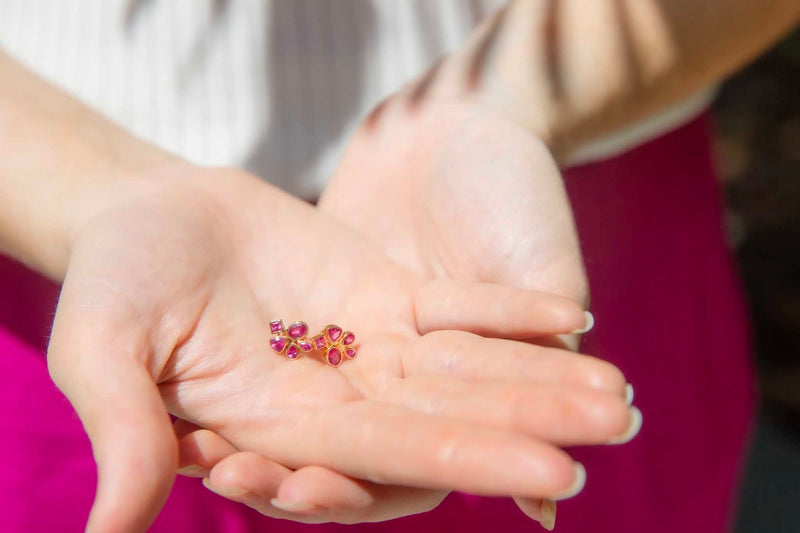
(170, 273)
(53, 151)
(572, 70)
(487, 199)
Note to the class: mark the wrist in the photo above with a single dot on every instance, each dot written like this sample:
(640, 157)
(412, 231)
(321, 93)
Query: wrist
(105, 176)
(494, 73)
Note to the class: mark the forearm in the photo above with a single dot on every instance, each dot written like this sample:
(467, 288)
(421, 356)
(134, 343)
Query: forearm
(575, 69)
(56, 158)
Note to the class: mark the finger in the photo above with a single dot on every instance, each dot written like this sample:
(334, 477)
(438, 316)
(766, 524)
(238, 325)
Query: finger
(250, 479)
(97, 363)
(560, 415)
(341, 499)
(495, 310)
(200, 449)
(313, 494)
(474, 358)
(316, 492)
(387, 444)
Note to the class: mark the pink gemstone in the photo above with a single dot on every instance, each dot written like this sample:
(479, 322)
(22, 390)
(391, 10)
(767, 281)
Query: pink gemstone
(334, 356)
(297, 330)
(334, 332)
(291, 352)
(349, 338)
(350, 353)
(319, 342)
(276, 326)
(305, 345)
(278, 343)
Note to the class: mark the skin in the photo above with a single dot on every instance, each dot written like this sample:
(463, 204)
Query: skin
(184, 332)
(170, 273)
(464, 160)
(421, 177)
(146, 332)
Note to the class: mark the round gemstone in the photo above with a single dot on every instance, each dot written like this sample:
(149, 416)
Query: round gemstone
(278, 343)
(350, 353)
(297, 330)
(292, 352)
(348, 338)
(334, 356)
(333, 332)
(305, 345)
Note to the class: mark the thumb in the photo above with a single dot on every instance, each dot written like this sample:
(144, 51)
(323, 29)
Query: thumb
(100, 368)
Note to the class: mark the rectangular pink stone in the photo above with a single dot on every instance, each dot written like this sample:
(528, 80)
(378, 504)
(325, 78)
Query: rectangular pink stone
(319, 342)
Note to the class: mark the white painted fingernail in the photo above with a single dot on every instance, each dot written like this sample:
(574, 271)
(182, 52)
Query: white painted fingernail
(548, 509)
(227, 492)
(193, 471)
(577, 483)
(634, 426)
(629, 394)
(589, 324)
(294, 507)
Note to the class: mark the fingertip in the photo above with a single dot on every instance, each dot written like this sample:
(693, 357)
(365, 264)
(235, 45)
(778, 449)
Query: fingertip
(232, 492)
(632, 429)
(132, 487)
(324, 488)
(587, 324)
(202, 449)
(577, 484)
(247, 473)
(231, 471)
(558, 315)
(629, 394)
(602, 375)
(552, 473)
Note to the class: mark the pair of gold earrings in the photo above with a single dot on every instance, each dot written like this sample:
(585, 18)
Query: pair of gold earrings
(333, 342)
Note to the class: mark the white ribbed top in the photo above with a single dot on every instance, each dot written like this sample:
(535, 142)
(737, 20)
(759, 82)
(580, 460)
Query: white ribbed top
(274, 86)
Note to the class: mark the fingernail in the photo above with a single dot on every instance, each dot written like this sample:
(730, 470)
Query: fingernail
(226, 492)
(629, 394)
(295, 507)
(634, 426)
(193, 471)
(589, 324)
(548, 514)
(577, 483)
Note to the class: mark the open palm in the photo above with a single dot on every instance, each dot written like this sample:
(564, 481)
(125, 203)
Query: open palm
(166, 301)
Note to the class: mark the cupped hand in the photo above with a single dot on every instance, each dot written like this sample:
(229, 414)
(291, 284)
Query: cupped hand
(164, 310)
(451, 188)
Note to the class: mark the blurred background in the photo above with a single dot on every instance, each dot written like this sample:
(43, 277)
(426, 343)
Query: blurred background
(758, 147)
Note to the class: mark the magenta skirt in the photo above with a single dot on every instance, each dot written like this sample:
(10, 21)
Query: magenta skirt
(669, 313)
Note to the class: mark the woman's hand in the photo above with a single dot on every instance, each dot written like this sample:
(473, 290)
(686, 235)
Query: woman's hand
(168, 290)
(453, 189)
(311, 494)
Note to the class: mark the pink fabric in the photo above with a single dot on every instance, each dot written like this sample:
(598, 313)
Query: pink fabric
(669, 313)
